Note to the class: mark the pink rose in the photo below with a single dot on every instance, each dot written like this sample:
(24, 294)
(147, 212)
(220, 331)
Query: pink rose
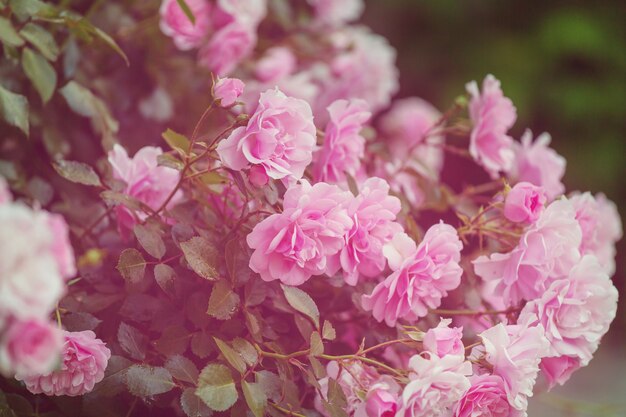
(373, 214)
(280, 137)
(175, 24)
(227, 90)
(558, 369)
(444, 340)
(277, 63)
(524, 203)
(32, 260)
(343, 146)
(538, 164)
(547, 250)
(61, 247)
(247, 12)
(30, 347)
(294, 245)
(336, 12)
(84, 361)
(515, 351)
(145, 180)
(227, 48)
(492, 115)
(435, 385)
(601, 227)
(575, 311)
(422, 275)
(406, 127)
(381, 400)
(5, 192)
(486, 398)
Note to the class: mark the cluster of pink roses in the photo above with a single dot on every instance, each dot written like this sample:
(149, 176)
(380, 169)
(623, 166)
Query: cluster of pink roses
(37, 260)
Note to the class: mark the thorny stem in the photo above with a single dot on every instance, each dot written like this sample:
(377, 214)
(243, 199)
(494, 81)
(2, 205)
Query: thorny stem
(387, 343)
(286, 411)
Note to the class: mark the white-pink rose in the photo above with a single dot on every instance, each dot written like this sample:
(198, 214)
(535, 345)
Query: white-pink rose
(175, 23)
(227, 90)
(486, 398)
(277, 63)
(444, 340)
(524, 202)
(336, 12)
(227, 48)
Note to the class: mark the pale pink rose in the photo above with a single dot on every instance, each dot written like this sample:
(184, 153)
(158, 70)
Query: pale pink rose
(31, 280)
(492, 115)
(343, 147)
(547, 250)
(227, 48)
(373, 214)
(435, 385)
(575, 311)
(403, 182)
(227, 90)
(298, 85)
(175, 24)
(486, 398)
(381, 400)
(524, 203)
(559, 369)
(145, 180)
(422, 275)
(406, 127)
(30, 347)
(514, 352)
(84, 360)
(62, 247)
(601, 227)
(294, 245)
(280, 137)
(357, 48)
(277, 63)
(444, 340)
(537, 163)
(247, 12)
(5, 192)
(336, 12)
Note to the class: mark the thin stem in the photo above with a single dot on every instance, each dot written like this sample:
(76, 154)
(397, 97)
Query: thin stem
(365, 360)
(194, 135)
(286, 411)
(58, 314)
(473, 312)
(387, 343)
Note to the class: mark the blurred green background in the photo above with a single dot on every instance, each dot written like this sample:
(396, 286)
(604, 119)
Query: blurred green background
(563, 63)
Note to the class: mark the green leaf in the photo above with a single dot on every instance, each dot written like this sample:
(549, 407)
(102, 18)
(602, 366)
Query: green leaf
(328, 331)
(41, 39)
(40, 72)
(114, 380)
(8, 34)
(146, 381)
(231, 356)
(112, 44)
(223, 301)
(192, 405)
(77, 172)
(317, 346)
(255, 397)
(182, 369)
(201, 256)
(85, 103)
(149, 237)
(165, 277)
(271, 383)
(176, 141)
(132, 265)
(217, 388)
(132, 341)
(187, 10)
(14, 109)
(302, 302)
(173, 341)
(245, 349)
(27, 8)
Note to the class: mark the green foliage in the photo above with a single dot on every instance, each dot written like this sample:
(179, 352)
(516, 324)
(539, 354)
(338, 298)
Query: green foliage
(217, 388)
(14, 109)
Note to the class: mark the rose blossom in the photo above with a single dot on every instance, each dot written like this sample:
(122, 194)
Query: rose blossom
(422, 275)
(558, 369)
(381, 400)
(547, 250)
(601, 227)
(524, 203)
(294, 245)
(227, 90)
(538, 164)
(492, 115)
(29, 347)
(351, 377)
(84, 360)
(280, 137)
(486, 398)
(227, 48)
(277, 63)
(444, 340)
(343, 146)
(175, 23)
(145, 180)
(575, 311)
(373, 214)
(436, 384)
(514, 351)
(336, 12)
(61, 247)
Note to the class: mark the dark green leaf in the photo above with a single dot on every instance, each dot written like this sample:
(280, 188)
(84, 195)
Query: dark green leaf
(132, 265)
(114, 380)
(255, 397)
(165, 277)
(201, 256)
(271, 383)
(302, 302)
(40, 72)
(77, 172)
(149, 237)
(176, 141)
(245, 349)
(132, 341)
(41, 39)
(223, 301)
(8, 34)
(182, 369)
(216, 387)
(14, 109)
(173, 341)
(192, 405)
(231, 356)
(146, 381)
(201, 345)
